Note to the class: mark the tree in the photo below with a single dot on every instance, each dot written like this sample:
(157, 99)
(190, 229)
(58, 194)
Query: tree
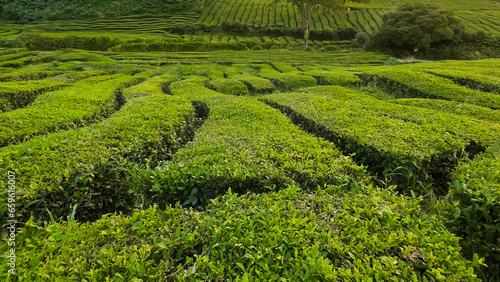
(305, 8)
(417, 25)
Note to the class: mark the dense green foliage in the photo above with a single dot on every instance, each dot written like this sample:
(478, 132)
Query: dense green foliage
(285, 81)
(228, 86)
(20, 94)
(53, 111)
(82, 167)
(239, 148)
(473, 209)
(454, 107)
(25, 11)
(417, 25)
(256, 84)
(365, 126)
(339, 235)
(413, 84)
(300, 207)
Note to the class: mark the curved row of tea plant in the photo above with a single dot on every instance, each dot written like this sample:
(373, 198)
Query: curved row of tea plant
(84, 166)
(473, 207)
(394, 141)
(96, 97)
(331, 235)
(238, 147)
(415, 84)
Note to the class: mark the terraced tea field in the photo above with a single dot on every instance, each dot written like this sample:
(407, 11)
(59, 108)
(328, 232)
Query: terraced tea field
(260, 14)
(239, 165)
(479, 15)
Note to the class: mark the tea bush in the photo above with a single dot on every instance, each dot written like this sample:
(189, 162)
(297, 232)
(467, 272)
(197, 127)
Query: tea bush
(153, 86)
(256, 85)
(423, 150)
(228, 86)
(50, 43)
(21, 94)
(55, 111)
(415, 84)
(330, 235)
(340, 77)
(239, 147)
(473, 208)
(86, 166)
(453, 107)
(285, 81)
(470, 79)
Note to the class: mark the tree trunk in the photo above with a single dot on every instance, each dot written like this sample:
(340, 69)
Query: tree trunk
(305, 20)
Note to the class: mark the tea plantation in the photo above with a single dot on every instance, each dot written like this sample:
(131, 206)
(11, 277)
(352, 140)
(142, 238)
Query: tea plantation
(201, 142)
(256, 165)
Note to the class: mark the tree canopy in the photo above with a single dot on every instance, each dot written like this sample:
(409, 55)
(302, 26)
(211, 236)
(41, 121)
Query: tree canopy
(417, 25)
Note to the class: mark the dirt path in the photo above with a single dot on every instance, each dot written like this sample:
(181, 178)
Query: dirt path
(412, 60)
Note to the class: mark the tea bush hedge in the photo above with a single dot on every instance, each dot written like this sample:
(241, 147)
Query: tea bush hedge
(473, 208)
(239, 147)
(17, 63)
(153, 86)
(477, 133)
(177, 46)
(470, 79)
(55, 111)
(340, 77)
(415, 84)
(453, 107)
(362, 234)
(50, 43)
(285, 81)
(256, 85)
(86, 166)
(21, 94)
(228, 86)
(398, 143)
(16, 55)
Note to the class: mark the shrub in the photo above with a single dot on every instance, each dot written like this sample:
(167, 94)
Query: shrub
(228, 86)
(178, 46)
(406, 83)
(470, 79)
(332, 47)
(256, 85)
(186, 29)
(453, 107)
(365, 233)
(273, 31)
(27, 60)
(323, 34)
(21, 94)
(297, 32)
(87, 167)
(239, 147)
(422, 151)
(55, 111)
(25, 11)
(225, 26)
(257, 47)
(50, 43)
(391, 62)
(339, 77)
(285, 81)
(473, 208)
(347, 33)
(156, 85)
(417, 25)
(5, 106)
